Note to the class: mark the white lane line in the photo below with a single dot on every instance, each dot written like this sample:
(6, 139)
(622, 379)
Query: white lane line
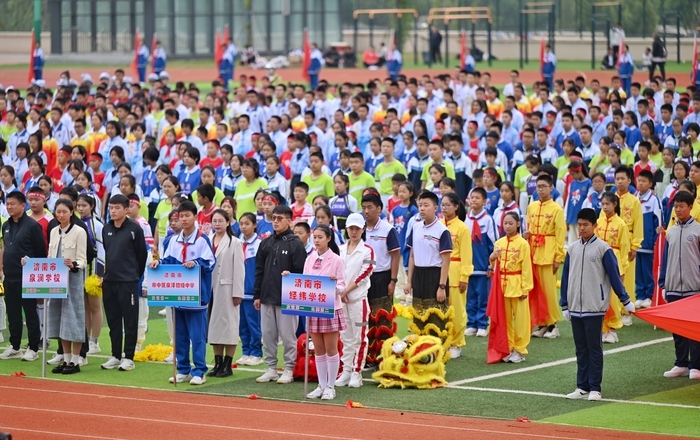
(555, 363)
(57, 434)
(562, 396)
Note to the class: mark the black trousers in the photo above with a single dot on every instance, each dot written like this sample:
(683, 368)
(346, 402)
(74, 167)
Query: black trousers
(588, 337)
(662, 69)
(687, 350)
(122, 310)
(379, 285)
(15, 304)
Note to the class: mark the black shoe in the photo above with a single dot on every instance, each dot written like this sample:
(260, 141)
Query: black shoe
(58, 369)
(218, 364)
(226, 367)
(71, 369)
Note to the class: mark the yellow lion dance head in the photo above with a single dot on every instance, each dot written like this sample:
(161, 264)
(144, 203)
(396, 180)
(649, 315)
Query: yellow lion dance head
(412, 362)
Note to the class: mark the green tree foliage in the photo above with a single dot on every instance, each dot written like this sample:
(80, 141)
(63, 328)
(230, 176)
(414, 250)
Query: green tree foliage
(18, 15)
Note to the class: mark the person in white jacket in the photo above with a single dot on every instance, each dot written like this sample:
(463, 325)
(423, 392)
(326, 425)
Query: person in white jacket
(359, 265)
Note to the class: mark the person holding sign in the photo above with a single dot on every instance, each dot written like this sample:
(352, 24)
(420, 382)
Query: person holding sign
(227, 294)
(125, 261)
(326, 261)
(67, 316)
(22, 237)
(191, 248)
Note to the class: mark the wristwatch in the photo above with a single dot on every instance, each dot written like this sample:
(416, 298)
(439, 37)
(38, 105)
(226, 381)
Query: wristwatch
(442, 286)
(396, 280)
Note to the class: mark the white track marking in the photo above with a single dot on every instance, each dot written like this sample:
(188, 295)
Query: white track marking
(57, 434)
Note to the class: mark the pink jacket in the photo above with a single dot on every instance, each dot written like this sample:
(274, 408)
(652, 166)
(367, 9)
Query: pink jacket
(331, 265)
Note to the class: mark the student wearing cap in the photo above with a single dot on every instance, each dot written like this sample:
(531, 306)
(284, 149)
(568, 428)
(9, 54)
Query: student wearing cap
(159, 60)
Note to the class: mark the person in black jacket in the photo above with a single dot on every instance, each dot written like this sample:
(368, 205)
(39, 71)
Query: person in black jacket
(22, 237)
(125, 261)
(658, 58)
(280, 252)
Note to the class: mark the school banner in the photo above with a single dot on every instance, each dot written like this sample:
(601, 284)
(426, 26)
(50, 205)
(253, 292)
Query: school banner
(173, 285)
(44, 278)
(308, 295)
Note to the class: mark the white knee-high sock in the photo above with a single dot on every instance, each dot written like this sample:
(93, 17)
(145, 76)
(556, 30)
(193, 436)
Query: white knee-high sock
(321, 371)
(332, 364)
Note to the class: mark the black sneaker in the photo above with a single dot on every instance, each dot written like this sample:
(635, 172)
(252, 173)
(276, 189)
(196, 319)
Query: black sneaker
(58, 369)
(71, 368)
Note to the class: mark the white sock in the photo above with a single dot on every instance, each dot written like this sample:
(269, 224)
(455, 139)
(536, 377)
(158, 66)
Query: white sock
(67, 358)
(321, 371)
(40, 312)
(332, 364)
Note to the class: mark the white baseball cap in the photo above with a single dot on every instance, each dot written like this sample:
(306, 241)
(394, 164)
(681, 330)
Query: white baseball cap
(153, 77)
(104, 75)
(164, 74)
(87, 78)
(355, 219)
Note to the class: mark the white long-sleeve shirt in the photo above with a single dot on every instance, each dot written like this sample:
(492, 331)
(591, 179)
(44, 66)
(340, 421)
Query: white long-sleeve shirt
(359, 265)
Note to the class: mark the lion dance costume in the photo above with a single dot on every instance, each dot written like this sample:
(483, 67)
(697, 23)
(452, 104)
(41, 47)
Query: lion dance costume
(381, 327)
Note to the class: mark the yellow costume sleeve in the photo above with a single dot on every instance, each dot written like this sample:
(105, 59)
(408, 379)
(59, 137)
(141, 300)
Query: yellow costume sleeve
(560, 236)
(465, 254)
(637, 228)
(624, 244)
(526, 279)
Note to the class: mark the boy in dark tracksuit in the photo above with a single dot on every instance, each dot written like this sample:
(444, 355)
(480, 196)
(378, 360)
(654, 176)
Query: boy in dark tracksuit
(680, 277)
(590, 270)
(125, 261)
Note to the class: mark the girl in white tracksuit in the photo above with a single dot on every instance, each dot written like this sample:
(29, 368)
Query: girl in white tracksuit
(359, 265)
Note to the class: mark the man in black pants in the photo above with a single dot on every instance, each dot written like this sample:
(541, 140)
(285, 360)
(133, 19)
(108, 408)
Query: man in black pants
(22, 237)
(658, 58)
(125, 261)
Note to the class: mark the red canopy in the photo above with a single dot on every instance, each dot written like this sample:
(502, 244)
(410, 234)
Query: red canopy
(680, 317)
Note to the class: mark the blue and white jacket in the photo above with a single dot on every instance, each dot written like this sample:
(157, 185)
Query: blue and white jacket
(250, 251)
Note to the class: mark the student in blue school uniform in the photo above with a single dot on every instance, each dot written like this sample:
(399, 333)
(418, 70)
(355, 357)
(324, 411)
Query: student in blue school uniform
(159, 58)
(142, 61)
(394, 63)
(596, 194)
(315, 67)
(651, 215)
(483, 230)
(626, 69)
(492, 183)
(402, 214)
(226, 65)
(191, 248)
(578, 190)
(38, 64)
(549, 66)
(251, 335)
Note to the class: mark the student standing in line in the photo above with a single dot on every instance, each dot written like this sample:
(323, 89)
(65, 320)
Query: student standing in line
(590, 272)
(251, 336)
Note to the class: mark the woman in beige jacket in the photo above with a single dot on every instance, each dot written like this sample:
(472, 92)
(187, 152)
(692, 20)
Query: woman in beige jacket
(67, 316)
(227, 286)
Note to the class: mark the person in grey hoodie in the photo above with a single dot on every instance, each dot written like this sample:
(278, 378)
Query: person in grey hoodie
(590, 271)
(680, 278)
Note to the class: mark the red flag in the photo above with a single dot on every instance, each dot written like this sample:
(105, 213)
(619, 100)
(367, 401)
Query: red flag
(496, 310)
(620, 50)
(137, 45)
(30, 76)
(463, 51)
(543, 50)
(154, 40)
(658, 298)
(679, 317)
(539, 312)
(306, 61)
(694, 67)
(218, 50)
(225, 34)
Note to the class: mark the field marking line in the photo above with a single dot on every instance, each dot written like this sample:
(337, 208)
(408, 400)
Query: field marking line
(562, 396)
(178, 422)
(58, 434)
(304, 414)
(555, 363)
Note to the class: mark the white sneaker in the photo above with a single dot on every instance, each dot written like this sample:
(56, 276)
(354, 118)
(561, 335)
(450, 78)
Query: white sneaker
(82, 361)
(254, 360)
(243, 360)
(55, 360)
(170, 358)
(454, 352)
(539, 331)
(198, 380)
(11, 353)
(328, 394)
(594, 396)
(578, 394)
(315, 394)
(94, 348)
(626, 320)
(694, 374)
(269, 376)
(638, 304)
(30, 356)
(609, 337)
(180, 378)
(470, 332)
(516, 357)
(344, 379)
(163, 311)
(111, 364)
(482, 333)
(507, 358)
(286, 377)
(552, 334)
(355, 380)
(127, 365)
(646, 304)
(677, 372)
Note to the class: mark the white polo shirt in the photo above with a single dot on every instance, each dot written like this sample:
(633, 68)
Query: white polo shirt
(383, 239)
(432, 241)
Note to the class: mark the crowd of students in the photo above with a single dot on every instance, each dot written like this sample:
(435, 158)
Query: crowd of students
(431, 180)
